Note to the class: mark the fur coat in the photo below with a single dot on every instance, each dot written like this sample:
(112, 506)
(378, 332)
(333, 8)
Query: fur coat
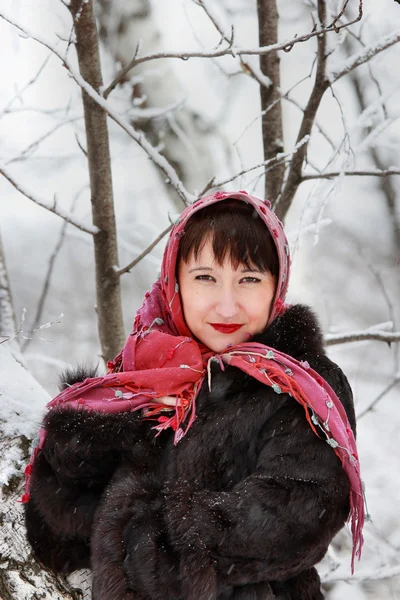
(241, 509)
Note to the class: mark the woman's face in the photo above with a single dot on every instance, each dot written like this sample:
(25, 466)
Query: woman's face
(222, 305)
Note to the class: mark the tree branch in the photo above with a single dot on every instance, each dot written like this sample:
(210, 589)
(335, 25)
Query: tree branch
(389, 188)
(19, 93)
(247, 68)
(320, 86)
(228, 51)
(35, 144)
(136, 260)
(360, 336)
(364, 56)
(60, 212)
(268, 165)
(49, 273)
(387, 389)
(170, 173)
(360, 173)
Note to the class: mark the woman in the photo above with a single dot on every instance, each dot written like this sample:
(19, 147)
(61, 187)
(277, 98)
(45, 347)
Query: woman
(253, 469)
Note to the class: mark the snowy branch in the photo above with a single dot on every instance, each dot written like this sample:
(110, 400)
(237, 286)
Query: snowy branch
(21, 332)
(360, 173)
(360, 336)
(364, 56)
(52, 207)
(34, 145)
(252, 70)
(268, 165)
(144, 253)
(229, 50)
(170, 173)
(49, 273)
(373, 404)
(20, 93)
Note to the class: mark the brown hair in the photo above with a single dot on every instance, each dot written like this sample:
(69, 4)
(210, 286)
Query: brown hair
(237, 231)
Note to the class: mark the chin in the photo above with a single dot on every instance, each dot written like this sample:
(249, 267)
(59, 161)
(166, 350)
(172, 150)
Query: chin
(220, 345)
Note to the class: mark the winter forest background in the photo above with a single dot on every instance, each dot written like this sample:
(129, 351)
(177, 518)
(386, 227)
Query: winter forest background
(176, 128)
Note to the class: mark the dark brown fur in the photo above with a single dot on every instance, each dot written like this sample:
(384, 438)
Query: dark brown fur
(241, 509)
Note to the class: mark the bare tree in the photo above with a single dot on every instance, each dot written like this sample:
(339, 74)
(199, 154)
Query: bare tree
(109, 307)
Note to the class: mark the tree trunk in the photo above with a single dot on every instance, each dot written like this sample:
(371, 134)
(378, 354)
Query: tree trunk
(272, 132)
(109, 306)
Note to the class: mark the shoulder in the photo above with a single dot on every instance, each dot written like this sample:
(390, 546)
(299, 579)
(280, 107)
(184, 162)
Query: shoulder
(298, 333)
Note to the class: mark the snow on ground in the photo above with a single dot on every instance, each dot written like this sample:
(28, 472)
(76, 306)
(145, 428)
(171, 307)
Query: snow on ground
(22, 404)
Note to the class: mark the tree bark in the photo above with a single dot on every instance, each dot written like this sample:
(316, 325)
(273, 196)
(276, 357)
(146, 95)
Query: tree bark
(109, 305)
(272, 131)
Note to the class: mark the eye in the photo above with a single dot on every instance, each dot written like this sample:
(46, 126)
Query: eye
(204, 278)
(250, 280)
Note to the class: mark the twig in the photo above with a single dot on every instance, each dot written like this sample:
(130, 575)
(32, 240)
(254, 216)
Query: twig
(159, 160)
(359, 173)
(144, 253)
(316, 123)
(26, 86)
(34, 145)
(360, 336)
(80, 146)
(340, 15)
(267, 164)
(21, 330)
(388, 185)
(48, 206)
(228, 51)
(387, 389)
(50, 269)
(251, 70)
(364, 56)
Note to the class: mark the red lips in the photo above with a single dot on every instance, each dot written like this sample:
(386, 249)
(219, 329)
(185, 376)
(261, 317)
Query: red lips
(226, 328)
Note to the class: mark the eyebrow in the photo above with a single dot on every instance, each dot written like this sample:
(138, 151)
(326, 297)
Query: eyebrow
(211, 269)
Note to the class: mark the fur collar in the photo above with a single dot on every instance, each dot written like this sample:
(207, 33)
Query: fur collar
(296, 332)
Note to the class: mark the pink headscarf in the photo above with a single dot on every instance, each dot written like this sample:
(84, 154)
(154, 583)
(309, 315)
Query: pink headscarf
(162, 368)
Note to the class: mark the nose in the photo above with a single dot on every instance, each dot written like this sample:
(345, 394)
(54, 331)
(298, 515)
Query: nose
(226, 305)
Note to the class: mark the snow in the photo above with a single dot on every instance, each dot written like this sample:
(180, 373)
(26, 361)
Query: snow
(22, 399)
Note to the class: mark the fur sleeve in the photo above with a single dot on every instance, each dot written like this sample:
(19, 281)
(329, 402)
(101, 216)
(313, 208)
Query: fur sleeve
(79, 457)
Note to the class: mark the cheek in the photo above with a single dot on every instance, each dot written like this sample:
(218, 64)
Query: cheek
(193, 305)
(260, 307)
